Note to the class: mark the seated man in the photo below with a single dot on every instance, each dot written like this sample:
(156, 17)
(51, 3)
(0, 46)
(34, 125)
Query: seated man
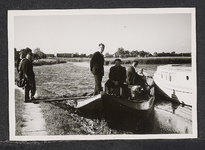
(132, 76)
(117, 76)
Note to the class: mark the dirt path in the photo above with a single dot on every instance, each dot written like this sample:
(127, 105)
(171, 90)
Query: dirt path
(34, 124)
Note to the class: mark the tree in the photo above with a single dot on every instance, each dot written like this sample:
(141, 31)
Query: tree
(155, 54)
(90, 55)
(82, 55)
(120, 52)
(39, 54)
(142, 53)
(173, 53)
(76, 55)
(134, 53)
(126, 53)
(107, 54)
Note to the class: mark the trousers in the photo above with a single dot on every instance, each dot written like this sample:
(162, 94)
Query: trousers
(98, 86)
(30, 88)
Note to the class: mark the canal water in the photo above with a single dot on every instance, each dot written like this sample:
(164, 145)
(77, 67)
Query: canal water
(167, 117)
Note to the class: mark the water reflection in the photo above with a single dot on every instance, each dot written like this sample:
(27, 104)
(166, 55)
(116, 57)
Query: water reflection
(167, 117)
(172, 117)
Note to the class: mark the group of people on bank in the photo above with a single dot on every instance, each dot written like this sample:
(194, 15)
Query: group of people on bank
(118, 76)
(26, 74)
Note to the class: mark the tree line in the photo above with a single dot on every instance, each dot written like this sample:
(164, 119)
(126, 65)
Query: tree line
(121, 52)
(136, 53)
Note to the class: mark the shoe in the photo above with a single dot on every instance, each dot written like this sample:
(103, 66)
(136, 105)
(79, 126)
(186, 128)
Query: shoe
(27, 101)
(33, 98)
(35, 102)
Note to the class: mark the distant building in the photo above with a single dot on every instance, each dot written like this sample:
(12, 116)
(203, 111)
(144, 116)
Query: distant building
(64, 54)
(49, 55)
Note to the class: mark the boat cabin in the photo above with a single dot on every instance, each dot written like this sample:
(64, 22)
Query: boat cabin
(175, 74)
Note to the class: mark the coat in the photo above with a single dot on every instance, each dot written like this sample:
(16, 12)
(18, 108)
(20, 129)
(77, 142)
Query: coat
(117, 74)
(26, 68)
(131, 75)
(97, 63)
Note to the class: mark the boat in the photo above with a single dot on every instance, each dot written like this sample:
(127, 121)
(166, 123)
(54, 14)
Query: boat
(88, 106)
(175, 82)
(129, 110)
(91, 103)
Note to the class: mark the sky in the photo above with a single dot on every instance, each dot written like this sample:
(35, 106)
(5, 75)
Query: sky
(82, 33)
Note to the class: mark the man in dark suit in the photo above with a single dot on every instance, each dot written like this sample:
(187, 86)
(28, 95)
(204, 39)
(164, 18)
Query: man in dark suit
(132, 76)
(27, 73)
(97, 68)
(117, 76)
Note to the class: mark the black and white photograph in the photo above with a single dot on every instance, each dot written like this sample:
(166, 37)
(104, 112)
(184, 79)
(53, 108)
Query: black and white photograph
(102, 74)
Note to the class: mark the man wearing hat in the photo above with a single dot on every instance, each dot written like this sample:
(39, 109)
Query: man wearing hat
(117, 76)
(97, 68)
(22, 55)
(26, 71)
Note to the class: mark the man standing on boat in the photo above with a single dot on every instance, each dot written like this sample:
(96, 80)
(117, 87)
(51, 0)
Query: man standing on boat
(132, 76)
(97, 68)
(117, 76)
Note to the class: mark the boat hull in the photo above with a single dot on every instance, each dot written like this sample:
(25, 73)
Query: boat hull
(90, 107)
(173, 94)
(129, 114)
(92, 103)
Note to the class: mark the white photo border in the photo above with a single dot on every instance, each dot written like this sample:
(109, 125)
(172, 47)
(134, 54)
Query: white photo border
(13, 13)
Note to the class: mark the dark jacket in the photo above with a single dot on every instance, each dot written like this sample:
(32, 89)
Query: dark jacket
(18, 63)
(131, 75)
(96, 64)
(27, 69)
(117, 74)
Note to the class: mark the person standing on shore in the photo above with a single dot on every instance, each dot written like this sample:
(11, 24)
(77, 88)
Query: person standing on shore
(27, 73)
(97, 68)
(21, 56)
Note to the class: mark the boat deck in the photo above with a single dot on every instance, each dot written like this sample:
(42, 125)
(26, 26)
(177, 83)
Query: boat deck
(177, 68)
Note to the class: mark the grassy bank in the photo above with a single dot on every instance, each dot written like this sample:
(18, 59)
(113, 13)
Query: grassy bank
(48, 61)
(149, 60)
(156, 60)
(19, 110)
(41, 62)
(63, 120)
